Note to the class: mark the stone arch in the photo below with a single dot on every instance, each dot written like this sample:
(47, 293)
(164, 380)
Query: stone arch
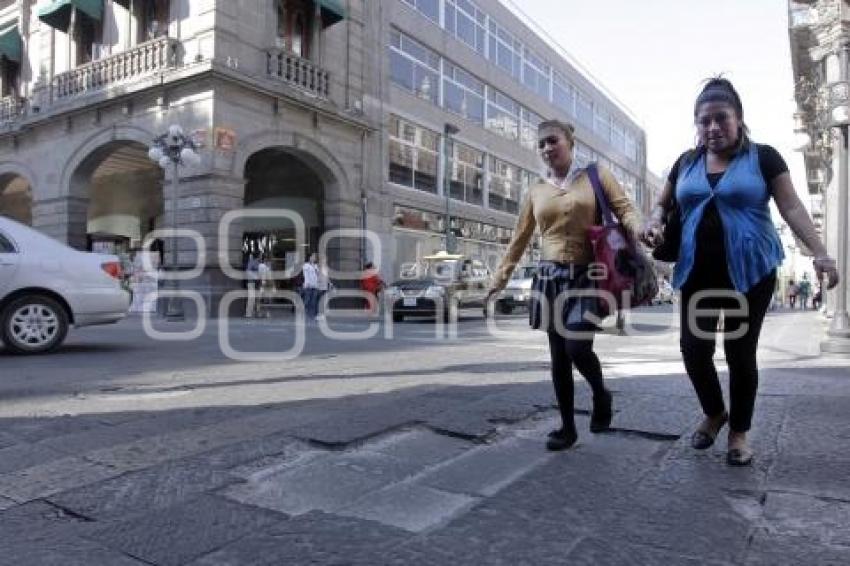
(16, 191)
(326, 165)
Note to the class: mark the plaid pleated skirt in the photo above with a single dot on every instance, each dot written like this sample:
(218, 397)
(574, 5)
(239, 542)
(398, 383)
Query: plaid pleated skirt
(568, 281)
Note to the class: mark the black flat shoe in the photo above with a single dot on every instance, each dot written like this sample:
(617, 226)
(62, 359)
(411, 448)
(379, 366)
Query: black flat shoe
(561, 441)
(739, 457)
(701, 440)
(556, 432)
(603, 412)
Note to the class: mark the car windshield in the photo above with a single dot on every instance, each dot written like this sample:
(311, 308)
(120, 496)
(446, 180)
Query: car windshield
(434, 269)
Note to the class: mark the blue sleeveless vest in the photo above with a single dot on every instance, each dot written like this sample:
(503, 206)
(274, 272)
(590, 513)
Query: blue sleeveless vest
(753, 247)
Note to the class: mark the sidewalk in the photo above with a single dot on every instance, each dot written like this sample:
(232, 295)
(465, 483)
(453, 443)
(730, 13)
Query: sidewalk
(436, 475)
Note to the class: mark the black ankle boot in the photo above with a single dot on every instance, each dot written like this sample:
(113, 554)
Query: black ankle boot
(561, 439)
(603, 412)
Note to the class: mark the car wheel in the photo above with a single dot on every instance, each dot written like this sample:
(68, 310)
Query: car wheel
(505, 308)
(33, 324)
(398, 317)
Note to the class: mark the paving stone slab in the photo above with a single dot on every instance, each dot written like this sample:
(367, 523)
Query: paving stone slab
(319, 485)
(601, 552)
(52, 477)
(35, 429)
(355, 426)
(420, 448)
(25, 455)
(781, 550)
(821, 521)
(315, 538)
(7, 439)
(180, 534)
(485, 470)
(409, 506)
(7, 503)
(655, 414)
(62, 552)
(815, 476)
(138, 492)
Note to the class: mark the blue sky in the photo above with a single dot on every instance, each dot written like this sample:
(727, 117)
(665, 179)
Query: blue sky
(654, 54)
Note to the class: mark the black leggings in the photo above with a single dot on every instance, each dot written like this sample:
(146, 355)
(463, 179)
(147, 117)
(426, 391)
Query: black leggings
(565, 353)
(698, 352)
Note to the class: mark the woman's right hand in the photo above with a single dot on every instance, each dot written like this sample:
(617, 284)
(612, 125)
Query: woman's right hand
(492, 294)
(653, 233)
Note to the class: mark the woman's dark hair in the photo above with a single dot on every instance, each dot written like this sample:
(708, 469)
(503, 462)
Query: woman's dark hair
(565, 127)
(718, 89)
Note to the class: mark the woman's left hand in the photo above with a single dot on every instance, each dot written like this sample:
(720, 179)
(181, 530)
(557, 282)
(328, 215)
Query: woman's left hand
(826, 266)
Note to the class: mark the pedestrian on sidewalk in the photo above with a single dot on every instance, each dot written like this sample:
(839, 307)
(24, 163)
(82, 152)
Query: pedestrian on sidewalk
(805, 289)
(310, 289)
(729, 245)
(793, 290)
(323, 285)
(251, 282)
(372, 284)
(562, 207)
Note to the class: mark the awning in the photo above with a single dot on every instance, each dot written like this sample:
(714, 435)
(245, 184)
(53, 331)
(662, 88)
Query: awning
(332, 11)
(57, 14)
(10, 43)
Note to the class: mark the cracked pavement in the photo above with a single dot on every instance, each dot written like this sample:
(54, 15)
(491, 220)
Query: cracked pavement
(411, 451)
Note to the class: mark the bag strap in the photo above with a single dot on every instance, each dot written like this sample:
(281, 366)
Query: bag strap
(601, 198)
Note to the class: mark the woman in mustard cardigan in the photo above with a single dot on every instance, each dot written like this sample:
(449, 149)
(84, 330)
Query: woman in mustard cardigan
(562, 207)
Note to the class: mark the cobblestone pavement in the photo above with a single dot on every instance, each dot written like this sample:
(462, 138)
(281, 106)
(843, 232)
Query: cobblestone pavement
(427, 461)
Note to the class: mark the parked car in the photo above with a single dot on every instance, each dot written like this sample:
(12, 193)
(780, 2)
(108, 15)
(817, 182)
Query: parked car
(46, 287)
(440, 283)
(517, 292)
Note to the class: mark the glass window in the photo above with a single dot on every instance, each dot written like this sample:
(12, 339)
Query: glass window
(535, 74)
(414, 67)
(502, 115)
(466, 179)
(463, 94)
(506, 185)
(413, 155)
(584, 109)
(6, 246)
(618, 136)
(583, 155)
(466, 22)
(563, 95)
(505, 51)
(528, 129)
(429, 8)
(631, 146)
(602, 123)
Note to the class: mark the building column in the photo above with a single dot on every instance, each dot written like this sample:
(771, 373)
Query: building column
(63, 218)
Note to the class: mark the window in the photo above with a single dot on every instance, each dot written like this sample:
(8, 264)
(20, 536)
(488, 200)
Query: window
(466, 22)
(505, 51)
(502, 115)
(528, 129)
(466, 179)
(414, 67)
(563, 95)
(618, 136)
(631, 146)
(584, 110)
(583, 155)
(506, 185)
(463, 94)
(535, 74)
(413, 155)
(153, 19)
(11, 72)
(602, 123)
(429, 8)
(6, 246)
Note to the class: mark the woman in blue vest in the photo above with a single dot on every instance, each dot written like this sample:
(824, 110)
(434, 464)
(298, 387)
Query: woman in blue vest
(728, 256)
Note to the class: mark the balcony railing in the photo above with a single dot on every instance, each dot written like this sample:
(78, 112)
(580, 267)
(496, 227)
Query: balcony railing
(140, 61)
(10, 108)
(298, 72)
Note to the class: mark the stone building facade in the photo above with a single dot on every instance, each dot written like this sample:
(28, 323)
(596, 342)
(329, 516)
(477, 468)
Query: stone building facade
(333, 109)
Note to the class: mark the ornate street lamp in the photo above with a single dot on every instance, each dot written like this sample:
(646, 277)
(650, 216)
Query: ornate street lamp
(173, 149)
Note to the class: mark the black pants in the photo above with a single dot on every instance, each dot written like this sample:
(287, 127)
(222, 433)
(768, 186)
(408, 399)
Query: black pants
(566, 353)
(698, 352)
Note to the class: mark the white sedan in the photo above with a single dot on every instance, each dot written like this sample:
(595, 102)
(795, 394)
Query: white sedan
(45, 287)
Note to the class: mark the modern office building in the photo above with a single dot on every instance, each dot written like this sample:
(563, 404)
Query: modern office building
(336, 110)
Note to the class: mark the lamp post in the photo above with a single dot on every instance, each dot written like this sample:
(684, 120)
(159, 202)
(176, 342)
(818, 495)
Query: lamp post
(173, 149)
(449, 130)
(838, 335)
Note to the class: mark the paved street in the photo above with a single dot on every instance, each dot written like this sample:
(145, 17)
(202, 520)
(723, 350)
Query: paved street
(414, 449)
